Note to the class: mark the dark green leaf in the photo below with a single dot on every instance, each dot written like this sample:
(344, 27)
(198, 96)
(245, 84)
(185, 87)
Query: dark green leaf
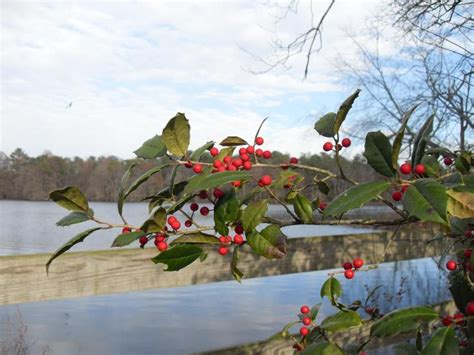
(233, 141)
(420, 140)
(331, 289)
(303, 208)
(156, 221)
(431, 165)
(179, 204)
(225, 210)
(402, 321)
(176, 135)
(325, 125)
(462, 164)
(378, 152)
(468, 184)
(178, 257)
(236, 272)
(151, 149)
(73, 218)
(453, 180)
(127, 238)
(397, 143)
(196, 155)
(344, 109)
(270, 242)
(196, 238)
(70, 198)
(144, 177)
(252, 216)
(355, 197)
(426, 199)
(77, 239)
(204, 182)
(123, 184)
(341, 320)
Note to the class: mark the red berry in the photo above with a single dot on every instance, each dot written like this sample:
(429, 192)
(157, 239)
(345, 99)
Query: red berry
(294, 160)
(458, 318)
(204, 211)
(287, 186)
(448, 161)
(470, 308)
(250, 149)
(420, 169)
(451, 265)
(446, 321)
(347, 265)
(143, 240)
(237, 163)
(188, 223)
(203, 194)
(242, 151)
(126, 230)
(284, 166)
(267, 154)
(218, 193)
(214, 151)
(231, 168)
(162, 246)
(304, 331)
(259, 152)
(197, 168)
(259, 141)
(227, 159)
(358, 262)
(247, 165)
(266, 180)
(220, 169)
(171, 220)
(349, 274)
(467, 253)
(397, 195)
(307, 321)
(188, 165)
(304, 309)
(245, 157)
(223, 239)
(223, 250)
(239, 229)
(327, 146)
(405, 168)
(322, 205)
(194, 206)
(175, 225)
(217, 164)
(237, 183)
(468, 234)
(159, 238)
(238, 239)
(346, 142)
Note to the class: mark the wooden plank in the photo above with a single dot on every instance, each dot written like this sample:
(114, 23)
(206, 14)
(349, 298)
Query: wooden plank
(77, 274)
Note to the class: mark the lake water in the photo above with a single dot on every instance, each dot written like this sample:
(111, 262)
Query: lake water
(207, 317)
(30, 227)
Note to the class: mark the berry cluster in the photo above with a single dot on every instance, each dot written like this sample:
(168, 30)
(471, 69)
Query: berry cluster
(227, 240)
(406, 169)
(350, 268)
(345, 143)
(306, 320)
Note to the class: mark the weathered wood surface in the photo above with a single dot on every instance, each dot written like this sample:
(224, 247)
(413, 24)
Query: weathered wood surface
(352, 337)
(77, 274)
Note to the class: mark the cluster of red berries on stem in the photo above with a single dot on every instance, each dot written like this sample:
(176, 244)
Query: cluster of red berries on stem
(227, 240)
(306, 320)
(345, 143)
(350, 268)
(406, 169)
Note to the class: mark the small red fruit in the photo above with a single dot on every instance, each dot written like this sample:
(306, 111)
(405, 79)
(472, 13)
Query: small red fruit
(188, 165)
(218, 193)
(294, 160)
(468, 234)
(176, 225)
(245, 157)
(238, 239)
(194, 206)
(322, 205)
(448, 161)
(188, 223)
(470, 308)
(214, 151)
(223, 239)
(349, 274)
(227, 159)
(266, 180)
(307, 321)
(267, 154)
(259, 141)
(197, 168)
(346, 142)
(242, 151)
(358, 262)
(247, 165)
(304, 309)
(420, 169)
(239, 229)
(143, 240)
(405, 168)
(458, 318)
(159, 238)
(171, 220)
(327, 146)
(347, 265)
(250, 149)
(467, 253)
(397, 195)
(304, 331)
(204, 211)
(223, 250)
(451, 265)
(259, 152)
(217, 164)
(203, 194)
(126, 230)
(237, 183)
(447, 321)
(162, 246)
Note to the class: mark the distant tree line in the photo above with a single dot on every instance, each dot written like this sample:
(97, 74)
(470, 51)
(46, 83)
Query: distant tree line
(32, 178)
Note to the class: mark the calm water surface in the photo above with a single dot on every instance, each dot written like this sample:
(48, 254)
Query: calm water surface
(207, 317)
(30, 227)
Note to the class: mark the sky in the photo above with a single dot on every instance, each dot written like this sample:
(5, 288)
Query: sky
(128, 67)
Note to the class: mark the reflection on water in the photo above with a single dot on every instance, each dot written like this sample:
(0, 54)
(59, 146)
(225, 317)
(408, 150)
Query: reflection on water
(205, 317)
(30, 227)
